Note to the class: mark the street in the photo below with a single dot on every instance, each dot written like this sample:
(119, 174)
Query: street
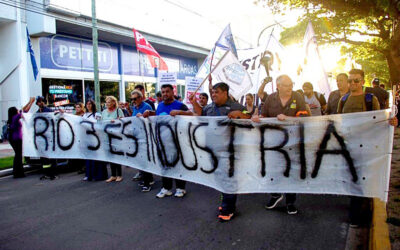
(69, 213)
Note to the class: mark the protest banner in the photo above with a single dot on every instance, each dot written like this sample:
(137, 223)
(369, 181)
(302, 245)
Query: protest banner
(336, 154)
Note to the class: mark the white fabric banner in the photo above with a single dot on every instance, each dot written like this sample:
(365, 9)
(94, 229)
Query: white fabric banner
(313, 69)
(230, 71)
(250, 59)
(346, 154)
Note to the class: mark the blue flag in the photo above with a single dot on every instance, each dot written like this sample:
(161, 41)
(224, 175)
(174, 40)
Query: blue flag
(33, 60)
(225, 40)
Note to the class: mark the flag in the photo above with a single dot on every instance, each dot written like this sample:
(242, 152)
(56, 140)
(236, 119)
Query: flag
(231, 71)
(313, 69)
(275, 52)
(32, 54)
(225, 42)
(144, 46)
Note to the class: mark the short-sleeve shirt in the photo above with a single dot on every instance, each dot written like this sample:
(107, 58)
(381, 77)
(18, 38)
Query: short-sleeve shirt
(165, 109)
(223, 110)
(357, 104)
(44, 110)
(140, 110)
(148, 101)
(105, 115)
(333, 101)
(313, 100)
(273, 105)
(381, 94)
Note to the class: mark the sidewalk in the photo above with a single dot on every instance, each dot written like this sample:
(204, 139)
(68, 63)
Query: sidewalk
(6, 150)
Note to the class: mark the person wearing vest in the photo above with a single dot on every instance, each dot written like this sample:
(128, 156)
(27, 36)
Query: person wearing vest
(283, 104)
(358, 101)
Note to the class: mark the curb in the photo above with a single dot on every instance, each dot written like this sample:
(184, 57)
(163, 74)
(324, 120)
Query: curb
(7, 172)
(379, 231)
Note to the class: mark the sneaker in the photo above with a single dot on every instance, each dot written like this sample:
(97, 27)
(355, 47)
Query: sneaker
(141, 183)
(85, 179)
(291, 209)
(44, 177)
(55, 177)
(222, 217)
(180, 193)
(146, 188)
(274, 201)
(138, 177)
(164, 192)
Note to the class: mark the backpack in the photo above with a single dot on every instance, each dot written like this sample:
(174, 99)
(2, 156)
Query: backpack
(368, 101)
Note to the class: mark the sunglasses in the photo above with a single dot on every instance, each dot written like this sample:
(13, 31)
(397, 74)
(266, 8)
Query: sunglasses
(353, 80)
(134, 99)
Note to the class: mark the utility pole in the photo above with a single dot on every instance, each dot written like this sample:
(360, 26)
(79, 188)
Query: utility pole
(95, 57)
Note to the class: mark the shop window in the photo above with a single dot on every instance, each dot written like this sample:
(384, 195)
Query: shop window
(62, 93)
(106, 88)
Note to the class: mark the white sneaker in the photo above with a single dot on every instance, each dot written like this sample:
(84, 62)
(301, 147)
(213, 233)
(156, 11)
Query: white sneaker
(180, 193)
(164, 192)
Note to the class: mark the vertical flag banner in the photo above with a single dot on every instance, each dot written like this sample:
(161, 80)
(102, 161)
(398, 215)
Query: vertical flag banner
(225, 42)
(313, 69)
(144, 46)
(250, 59)
(231, 71)
(32, 54)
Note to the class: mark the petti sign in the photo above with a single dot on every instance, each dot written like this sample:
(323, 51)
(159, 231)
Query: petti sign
(70, 53)
(334, 154)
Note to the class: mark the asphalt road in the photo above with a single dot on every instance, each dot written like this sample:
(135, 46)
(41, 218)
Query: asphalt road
(72, 214)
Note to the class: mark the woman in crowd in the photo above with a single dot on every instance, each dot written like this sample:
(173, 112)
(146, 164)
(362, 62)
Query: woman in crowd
(79, 109)
(250, 107)
(15, 136)
(95, 170)
(111, 113)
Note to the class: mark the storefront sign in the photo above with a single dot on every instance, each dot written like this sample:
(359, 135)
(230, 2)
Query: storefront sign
(69, 53)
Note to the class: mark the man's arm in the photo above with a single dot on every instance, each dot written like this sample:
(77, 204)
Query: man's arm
(260, 92)
(28, 106)
(148, 113)
(196, 106)
(237, 114)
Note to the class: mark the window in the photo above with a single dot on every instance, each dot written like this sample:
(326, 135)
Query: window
(62, 93)
(106, 89)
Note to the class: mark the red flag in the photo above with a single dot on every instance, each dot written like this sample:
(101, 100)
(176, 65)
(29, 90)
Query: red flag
(144, 46)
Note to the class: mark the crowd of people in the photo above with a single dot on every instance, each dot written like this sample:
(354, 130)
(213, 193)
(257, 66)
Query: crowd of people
(285, 102)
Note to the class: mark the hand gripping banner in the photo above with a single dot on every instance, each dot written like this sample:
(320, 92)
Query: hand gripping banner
(346, 154)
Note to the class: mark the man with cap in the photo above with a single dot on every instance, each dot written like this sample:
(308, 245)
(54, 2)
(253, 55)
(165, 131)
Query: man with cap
(381, 94)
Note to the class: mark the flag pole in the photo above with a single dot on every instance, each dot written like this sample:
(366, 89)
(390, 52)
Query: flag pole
(205, 79)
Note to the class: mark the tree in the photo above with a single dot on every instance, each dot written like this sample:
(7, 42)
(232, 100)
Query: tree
(370, 28)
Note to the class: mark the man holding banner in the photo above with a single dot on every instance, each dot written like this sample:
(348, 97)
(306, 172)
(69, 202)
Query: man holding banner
(172, 107)
(281, 104)
(222, 105)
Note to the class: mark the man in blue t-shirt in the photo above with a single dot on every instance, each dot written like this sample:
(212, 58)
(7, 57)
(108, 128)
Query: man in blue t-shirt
(139, 107)
(170, 106)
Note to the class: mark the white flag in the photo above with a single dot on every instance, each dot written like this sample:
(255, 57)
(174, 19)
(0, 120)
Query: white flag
(313, 69)
(231, 71)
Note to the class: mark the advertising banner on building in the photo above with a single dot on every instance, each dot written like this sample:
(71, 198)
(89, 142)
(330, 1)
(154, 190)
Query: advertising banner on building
(333, 154)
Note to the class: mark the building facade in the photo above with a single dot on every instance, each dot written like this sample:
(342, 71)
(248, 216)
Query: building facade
(61, 40)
